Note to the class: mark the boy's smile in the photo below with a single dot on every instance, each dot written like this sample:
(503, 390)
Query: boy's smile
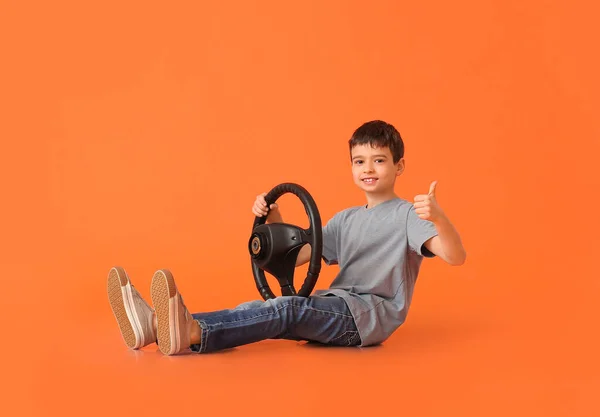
(374, 172)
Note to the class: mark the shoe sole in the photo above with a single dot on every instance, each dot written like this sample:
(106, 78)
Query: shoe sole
(164, 291)
(120, 299)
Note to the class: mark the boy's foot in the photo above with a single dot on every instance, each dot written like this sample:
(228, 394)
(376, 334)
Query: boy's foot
(173, 318)
(134, 316)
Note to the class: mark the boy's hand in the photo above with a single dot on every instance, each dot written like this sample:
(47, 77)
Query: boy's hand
(260, 206)
(427, 207)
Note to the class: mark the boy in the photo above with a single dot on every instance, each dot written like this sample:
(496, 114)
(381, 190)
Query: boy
(379, 248)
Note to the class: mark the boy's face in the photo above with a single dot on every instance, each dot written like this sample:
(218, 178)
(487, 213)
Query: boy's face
(373, 169)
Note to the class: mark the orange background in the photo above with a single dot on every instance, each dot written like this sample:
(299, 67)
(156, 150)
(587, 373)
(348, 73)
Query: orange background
(138, 135)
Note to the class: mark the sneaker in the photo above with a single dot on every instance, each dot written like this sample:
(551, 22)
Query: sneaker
(134, 316)
(173, 318)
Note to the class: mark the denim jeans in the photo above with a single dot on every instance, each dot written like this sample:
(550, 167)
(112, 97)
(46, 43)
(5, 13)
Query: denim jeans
(323, 319)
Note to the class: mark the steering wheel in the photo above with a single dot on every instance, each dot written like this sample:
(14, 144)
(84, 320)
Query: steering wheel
(274, 247)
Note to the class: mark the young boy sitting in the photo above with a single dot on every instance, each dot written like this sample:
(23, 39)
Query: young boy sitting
(378, 246)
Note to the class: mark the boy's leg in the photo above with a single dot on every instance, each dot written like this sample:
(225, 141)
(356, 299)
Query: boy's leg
(324, 319)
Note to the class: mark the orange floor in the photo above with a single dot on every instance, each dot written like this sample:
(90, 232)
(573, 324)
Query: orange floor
(139, 135)
(472, 346)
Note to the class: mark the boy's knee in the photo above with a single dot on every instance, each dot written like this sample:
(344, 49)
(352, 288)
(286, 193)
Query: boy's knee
(287, 301)
(286, 307)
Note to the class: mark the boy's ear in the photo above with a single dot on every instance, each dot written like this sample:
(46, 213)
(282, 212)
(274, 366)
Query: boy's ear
(400, 167)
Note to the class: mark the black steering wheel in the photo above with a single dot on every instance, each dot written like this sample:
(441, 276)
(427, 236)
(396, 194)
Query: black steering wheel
(274, 247)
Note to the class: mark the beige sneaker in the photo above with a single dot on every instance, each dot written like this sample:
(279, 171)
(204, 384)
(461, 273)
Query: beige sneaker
(134, 316)
(173, 318)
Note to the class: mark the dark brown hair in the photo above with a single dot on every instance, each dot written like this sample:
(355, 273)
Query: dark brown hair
(378, 134)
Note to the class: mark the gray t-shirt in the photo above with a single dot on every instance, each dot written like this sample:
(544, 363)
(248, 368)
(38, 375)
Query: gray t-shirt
(379, 252)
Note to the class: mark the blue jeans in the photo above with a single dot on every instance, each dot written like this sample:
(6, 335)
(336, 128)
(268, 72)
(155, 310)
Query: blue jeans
(323, 319)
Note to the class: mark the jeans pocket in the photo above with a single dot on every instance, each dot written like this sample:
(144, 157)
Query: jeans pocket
(348, 338)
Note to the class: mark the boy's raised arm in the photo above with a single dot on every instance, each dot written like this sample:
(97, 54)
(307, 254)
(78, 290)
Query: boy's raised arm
(447, 244)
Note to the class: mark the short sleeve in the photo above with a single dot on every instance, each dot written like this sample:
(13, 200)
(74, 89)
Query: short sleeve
(330, 239)
(419, 231)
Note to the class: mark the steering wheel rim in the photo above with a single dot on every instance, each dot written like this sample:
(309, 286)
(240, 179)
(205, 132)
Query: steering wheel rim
(274, 247)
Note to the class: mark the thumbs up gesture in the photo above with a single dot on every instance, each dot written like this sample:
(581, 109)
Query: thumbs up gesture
(427, 207)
